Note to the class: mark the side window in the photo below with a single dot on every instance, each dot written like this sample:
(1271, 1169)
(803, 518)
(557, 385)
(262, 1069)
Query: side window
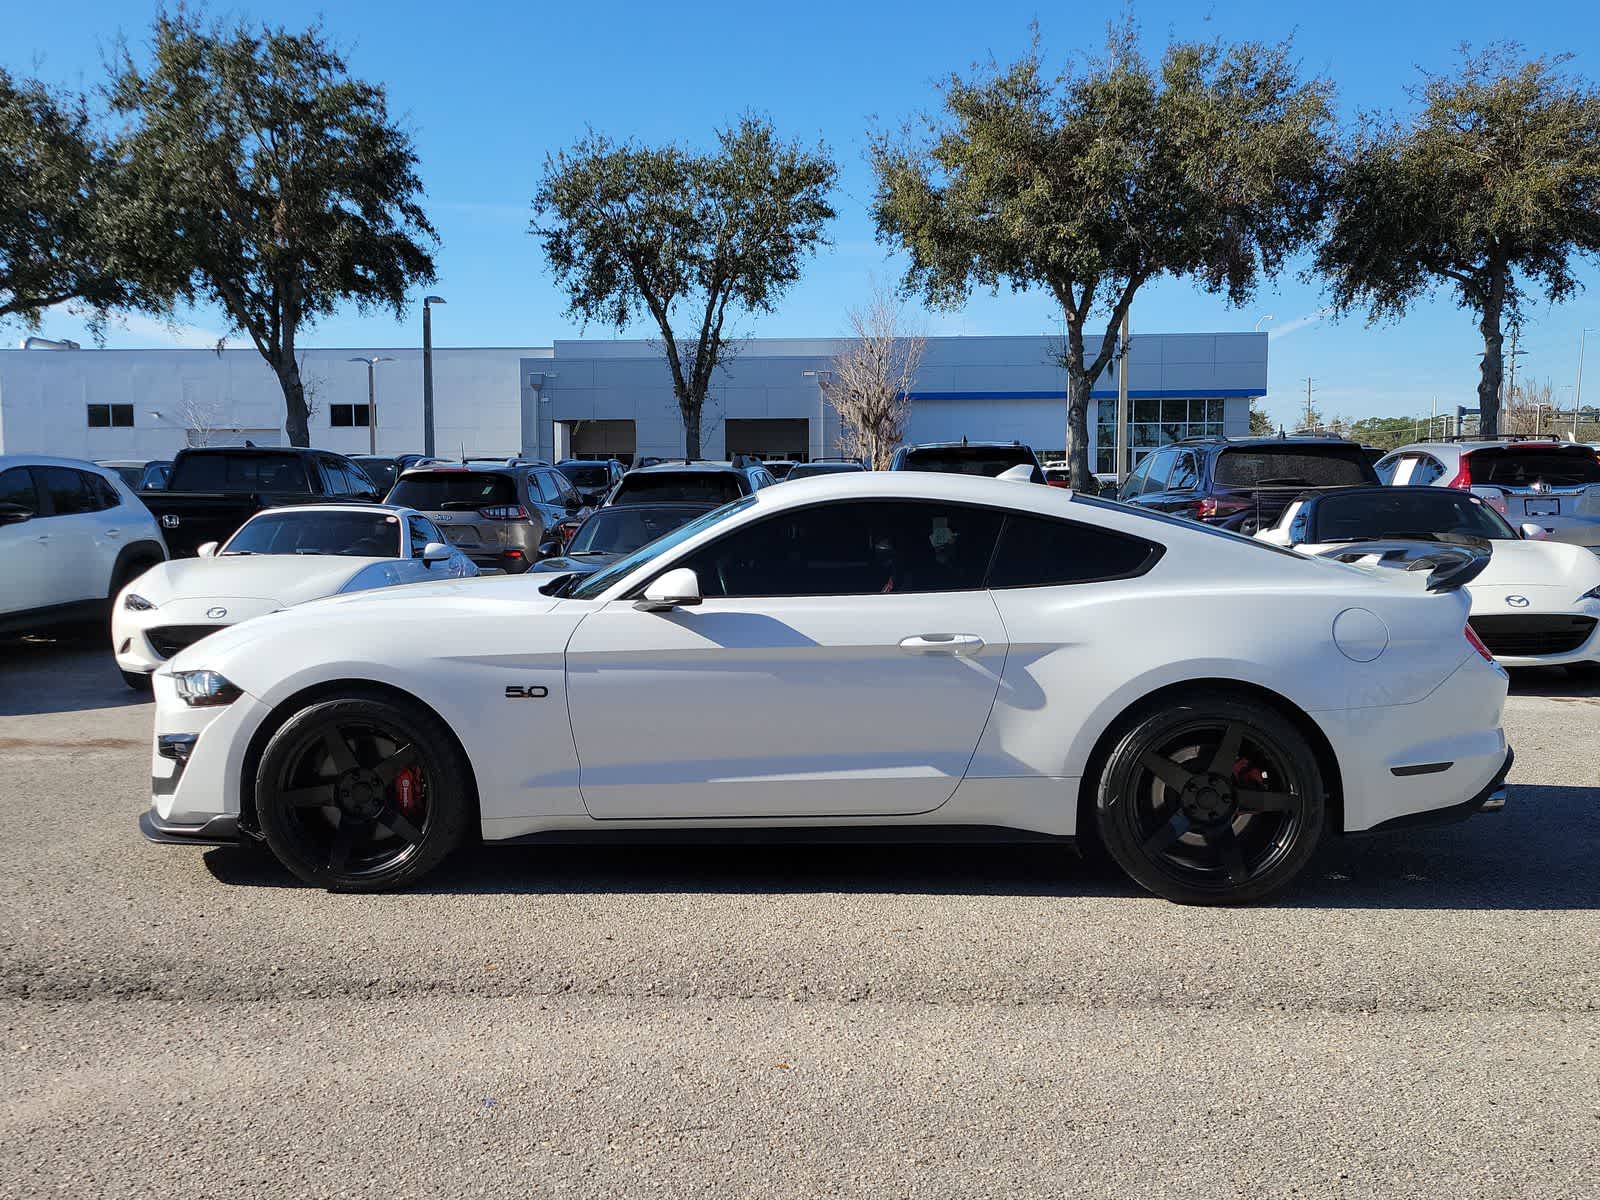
(540, 487)
(422, 532)
(1134, 483)
(853, 549)
(1185, 475)
(69, 491)
(1403, 469)
(1156, 479)
(104, 494)
(1042, 552)
(332, 483)
(562, 485)
(16, 487)
(1385, 468)
(1426, 471)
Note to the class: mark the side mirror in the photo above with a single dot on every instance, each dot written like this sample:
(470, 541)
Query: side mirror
(1534, 533)
(678, 588)
(435, 552)
(206, 550)
(14, 514)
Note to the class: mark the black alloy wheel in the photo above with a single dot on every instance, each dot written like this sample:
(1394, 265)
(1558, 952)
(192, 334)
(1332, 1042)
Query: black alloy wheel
(1212, 801)
(362, 794)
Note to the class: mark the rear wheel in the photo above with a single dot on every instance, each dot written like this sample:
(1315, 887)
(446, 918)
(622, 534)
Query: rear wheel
(362, 794)
(137, 680)
(1211, 800)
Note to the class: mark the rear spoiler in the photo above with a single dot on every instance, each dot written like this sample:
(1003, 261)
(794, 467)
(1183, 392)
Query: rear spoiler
(1449, 567)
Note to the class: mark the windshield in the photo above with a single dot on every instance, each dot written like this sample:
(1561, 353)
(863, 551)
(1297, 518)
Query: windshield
(1515, 467)
(711, 487)
(601, 581)
(807, 470)
(1434, 514)
(239, 473)
(382, 471)
(351, 534)
(1200, 527)
(585, 475)
(453, 491)
(623, 530)
(969, 460)
(1294, 466)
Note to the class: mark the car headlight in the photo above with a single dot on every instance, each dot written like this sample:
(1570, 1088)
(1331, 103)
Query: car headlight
(1592, 594)
(134, 602)
(201, 689)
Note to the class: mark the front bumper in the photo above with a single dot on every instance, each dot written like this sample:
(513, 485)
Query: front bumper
(218, 831)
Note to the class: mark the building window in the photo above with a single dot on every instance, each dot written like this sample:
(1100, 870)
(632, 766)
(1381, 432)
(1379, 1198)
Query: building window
(1154, 422)
(110, 416)
(349, 416)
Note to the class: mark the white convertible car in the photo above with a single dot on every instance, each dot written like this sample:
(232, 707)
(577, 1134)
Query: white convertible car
(1536, 603)
(894, 655)
(279, 557)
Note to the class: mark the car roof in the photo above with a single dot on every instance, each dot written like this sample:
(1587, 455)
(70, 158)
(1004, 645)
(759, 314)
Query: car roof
(1465, 445)
(459, 468)
(966, 445)
(48, 460)
(1263, 440)
(193, 451)
(399, 510)
(698, 466)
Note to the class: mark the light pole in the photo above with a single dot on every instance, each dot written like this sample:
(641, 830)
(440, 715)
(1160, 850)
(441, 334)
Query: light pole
(427, 372)
(1264, 317)
(372, 397)
(1577, 394)
(822, 414)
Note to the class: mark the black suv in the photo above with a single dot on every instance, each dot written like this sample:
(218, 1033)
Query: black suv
(967, 458)
(1243, 484)
(593, 477)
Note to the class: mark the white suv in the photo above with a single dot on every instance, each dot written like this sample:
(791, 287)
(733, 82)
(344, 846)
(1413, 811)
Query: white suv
(1555, 485)
(72, 535)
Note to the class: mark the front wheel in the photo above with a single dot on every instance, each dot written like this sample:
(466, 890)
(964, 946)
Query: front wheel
(1212, 800)
(363, 794)
(139, 681)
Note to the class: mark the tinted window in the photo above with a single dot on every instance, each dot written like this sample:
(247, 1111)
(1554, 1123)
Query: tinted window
(1185, 476)
(1155, 480)
(104, 494)
(360, 535)
(239, 473)
(381, 471)
(968, 460)
(622, 530)
(70, 491)
(1040, 551)
(1426, 471)
(16, 487)
(1134, 483)
(1514, 467)
(1395, 512)
(706, 487)
(860, 548)
(1293, 466)
(1386, 468)
(447, 491)
(600, 581)
(807, 470)
(423, 531)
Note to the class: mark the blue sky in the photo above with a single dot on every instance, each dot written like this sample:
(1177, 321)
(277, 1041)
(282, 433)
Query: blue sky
(489, 88)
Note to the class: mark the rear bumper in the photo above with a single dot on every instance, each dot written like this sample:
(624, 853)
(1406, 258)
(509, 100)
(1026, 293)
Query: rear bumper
(1490, 799)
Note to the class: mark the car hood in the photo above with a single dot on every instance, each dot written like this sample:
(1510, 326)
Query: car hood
(414, 604)
(283, 578)
(1528, 562)
(586, 565)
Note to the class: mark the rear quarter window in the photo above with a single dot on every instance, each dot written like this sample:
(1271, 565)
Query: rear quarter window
(1044, 552)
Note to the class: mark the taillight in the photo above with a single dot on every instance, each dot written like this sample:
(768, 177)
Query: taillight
(1477, 643)
(504, 512)
(1210, 507)
(566, 529)
(1463, 476)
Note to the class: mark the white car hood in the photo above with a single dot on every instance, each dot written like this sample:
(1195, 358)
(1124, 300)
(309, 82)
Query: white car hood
(284, 578)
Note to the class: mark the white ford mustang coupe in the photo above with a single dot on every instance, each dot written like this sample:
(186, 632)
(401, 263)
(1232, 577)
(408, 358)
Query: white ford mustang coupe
(279, 557)
(1535, 603)
(895, 655)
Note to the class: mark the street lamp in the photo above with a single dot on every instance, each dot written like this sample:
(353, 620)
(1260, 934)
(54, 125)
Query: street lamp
(1262, 318)
(372, 397)
(427, 372)
(1577, 395)
(822, 410)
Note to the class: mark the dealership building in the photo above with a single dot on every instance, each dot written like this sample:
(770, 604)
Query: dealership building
(595, 398)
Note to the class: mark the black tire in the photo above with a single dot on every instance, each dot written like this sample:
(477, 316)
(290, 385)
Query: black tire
(137, 680)
(396, 833)
(1211, 800)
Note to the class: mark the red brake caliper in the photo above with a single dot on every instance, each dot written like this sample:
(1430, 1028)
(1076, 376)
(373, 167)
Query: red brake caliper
(408, 793)
(1245, 772)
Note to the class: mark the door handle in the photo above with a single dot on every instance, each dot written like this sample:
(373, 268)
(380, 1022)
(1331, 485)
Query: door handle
(942, 643)
(111, 533)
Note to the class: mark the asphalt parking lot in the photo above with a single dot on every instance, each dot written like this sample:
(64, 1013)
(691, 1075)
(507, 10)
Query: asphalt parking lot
(1419, 1016)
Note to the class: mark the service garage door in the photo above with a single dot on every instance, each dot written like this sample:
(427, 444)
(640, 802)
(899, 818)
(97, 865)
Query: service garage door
(602, 439)
(769, 438)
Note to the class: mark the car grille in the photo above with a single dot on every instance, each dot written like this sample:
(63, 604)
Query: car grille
(167, 640)
(1533, 634)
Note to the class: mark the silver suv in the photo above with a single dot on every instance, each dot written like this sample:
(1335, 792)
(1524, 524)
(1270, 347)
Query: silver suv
(502, 517)
(1555, 485)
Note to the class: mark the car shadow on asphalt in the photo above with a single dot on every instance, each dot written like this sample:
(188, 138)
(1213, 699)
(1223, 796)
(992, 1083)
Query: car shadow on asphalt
(69, 671)
(1537, 854)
